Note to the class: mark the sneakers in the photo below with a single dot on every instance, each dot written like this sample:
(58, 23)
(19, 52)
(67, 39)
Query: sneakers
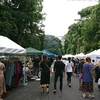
(84, 96)
(91, 96)
(54, 91)
(70, 85)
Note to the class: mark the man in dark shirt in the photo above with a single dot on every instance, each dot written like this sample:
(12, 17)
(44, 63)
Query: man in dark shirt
(59, 71)
(80, 67)
(36, 66)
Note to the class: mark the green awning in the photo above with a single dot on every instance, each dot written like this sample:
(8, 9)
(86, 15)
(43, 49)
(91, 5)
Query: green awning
(31, 51)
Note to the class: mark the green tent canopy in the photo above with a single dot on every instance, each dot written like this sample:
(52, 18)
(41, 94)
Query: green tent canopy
(31, 51)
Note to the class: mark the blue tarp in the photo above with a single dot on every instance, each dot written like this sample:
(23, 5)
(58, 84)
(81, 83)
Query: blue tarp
(48, 53)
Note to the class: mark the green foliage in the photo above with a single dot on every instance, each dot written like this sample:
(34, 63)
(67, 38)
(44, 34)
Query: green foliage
(7, 25)
(22, 22)
(53, 44)
(84, 36)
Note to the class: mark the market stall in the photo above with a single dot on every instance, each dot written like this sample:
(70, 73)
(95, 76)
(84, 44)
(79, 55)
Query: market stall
(32, 53)
(10, 48)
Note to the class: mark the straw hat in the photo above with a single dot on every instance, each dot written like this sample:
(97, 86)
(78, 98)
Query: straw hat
(98, 64)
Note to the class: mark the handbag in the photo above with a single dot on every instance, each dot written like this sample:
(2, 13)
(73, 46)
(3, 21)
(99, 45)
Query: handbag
(4, 95)
(99, 81)
(39, 74)
(81, 75)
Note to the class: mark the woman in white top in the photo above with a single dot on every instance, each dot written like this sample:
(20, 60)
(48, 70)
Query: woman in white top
(69, 65)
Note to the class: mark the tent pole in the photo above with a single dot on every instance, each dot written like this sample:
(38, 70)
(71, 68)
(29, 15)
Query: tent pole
(24, 81)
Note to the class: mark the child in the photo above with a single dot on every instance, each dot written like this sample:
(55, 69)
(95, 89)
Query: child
(26, 71)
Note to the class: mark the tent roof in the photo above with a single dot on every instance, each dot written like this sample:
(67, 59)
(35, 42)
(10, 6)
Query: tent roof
(7, 46)
(48, 53)
(67, 55)
(31, 51)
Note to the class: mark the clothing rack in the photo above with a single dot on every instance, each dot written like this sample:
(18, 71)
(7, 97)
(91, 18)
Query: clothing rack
(13, 59)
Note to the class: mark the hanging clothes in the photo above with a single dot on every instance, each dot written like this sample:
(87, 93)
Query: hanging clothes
(13, 73)
(21, 69)
(17, 74)
(10, 71)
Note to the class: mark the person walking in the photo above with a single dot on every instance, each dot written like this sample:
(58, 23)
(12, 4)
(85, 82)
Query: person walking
(59, 72)
(76, 66)
(69, 70)
(87, 82)
(80, 67)
(45, 66)
(97, 75)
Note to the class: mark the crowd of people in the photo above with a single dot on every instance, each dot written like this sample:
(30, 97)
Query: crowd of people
(85, 69)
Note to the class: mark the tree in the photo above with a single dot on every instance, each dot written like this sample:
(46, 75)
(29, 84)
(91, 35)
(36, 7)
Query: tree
(7, 25)
(53, 44)
(83, 36)
(22, 20)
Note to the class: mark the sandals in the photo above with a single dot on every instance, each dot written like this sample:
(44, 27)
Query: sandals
(44, 91)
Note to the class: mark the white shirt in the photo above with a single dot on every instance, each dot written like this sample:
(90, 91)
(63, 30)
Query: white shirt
(69, 66)
(25, 70)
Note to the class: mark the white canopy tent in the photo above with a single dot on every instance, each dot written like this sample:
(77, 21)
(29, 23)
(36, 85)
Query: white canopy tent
(91, 53)
(97, 52)
(67, 55)
(94, 55)
(7, 46)
(79, 55)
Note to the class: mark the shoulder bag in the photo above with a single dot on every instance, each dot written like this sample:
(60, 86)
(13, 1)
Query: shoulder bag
(49, 68)
(99, 81)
